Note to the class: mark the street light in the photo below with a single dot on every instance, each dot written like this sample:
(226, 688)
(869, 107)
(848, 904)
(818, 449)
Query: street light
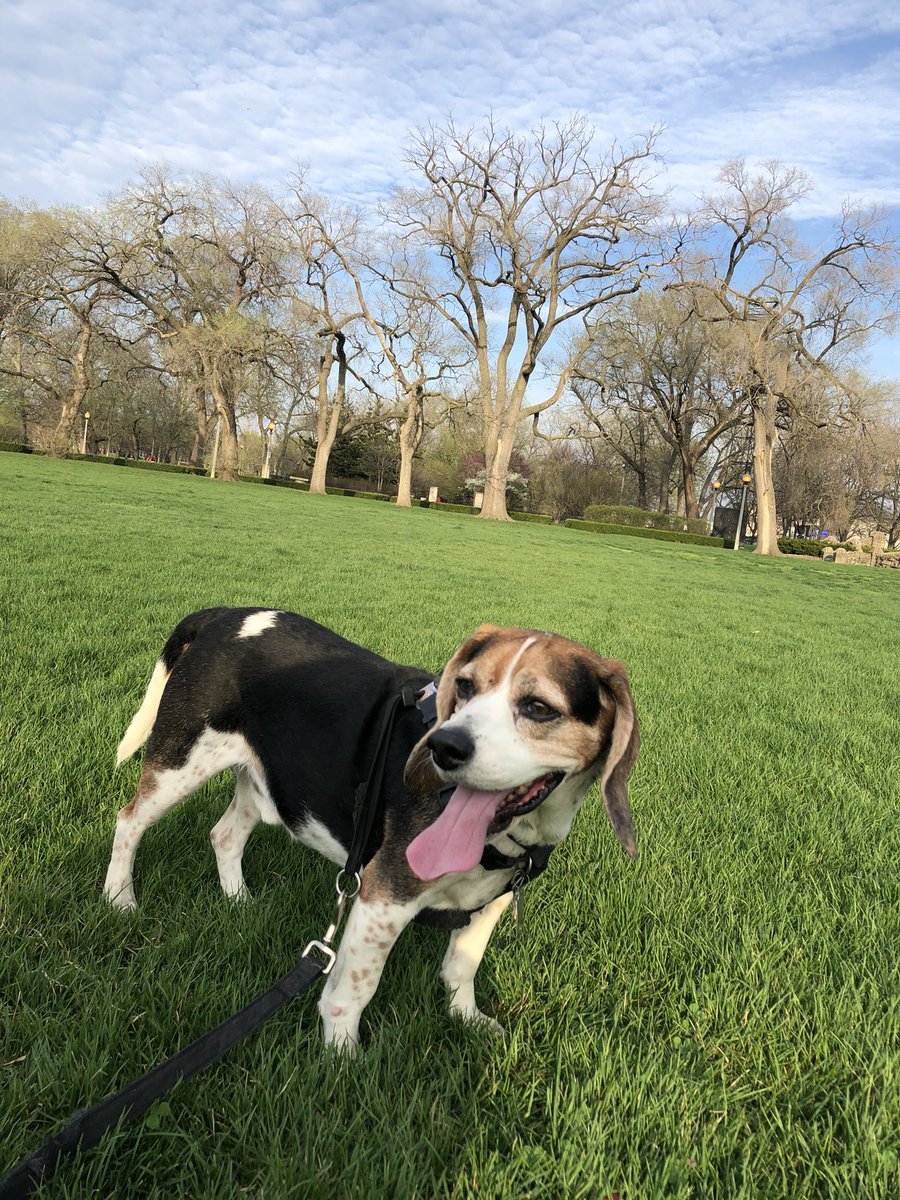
(745, 482)
(270, 429)
(87, 417)
(716, 487)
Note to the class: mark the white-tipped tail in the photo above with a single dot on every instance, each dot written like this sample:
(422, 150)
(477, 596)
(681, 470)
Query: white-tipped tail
(142, 721)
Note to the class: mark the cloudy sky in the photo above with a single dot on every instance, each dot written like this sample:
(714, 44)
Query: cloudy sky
(94, 89)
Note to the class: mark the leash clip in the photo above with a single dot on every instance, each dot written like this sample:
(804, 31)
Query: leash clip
(347, 889)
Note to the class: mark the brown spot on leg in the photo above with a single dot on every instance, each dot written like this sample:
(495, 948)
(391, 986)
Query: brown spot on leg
(146, 785)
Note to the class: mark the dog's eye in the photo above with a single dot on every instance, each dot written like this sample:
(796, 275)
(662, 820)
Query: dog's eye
(465, 689)
(537, 710)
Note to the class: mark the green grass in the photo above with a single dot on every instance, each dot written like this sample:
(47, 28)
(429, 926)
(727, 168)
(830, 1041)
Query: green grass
(720, 1019)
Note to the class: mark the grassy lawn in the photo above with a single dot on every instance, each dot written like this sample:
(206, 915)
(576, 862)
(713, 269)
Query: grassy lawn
(721, 1019)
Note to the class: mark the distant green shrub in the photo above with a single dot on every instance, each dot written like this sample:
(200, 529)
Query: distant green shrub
(662, 535)
(20, 448)
(288, 483)
(140, 463)
(535, 518)
(371, 496)
(812, 546)
(444, 506)
(642, 518)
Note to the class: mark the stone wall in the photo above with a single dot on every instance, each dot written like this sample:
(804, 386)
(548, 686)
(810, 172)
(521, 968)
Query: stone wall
(875, 559)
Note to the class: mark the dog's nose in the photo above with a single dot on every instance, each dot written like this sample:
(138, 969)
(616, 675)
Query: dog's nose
(450, 748)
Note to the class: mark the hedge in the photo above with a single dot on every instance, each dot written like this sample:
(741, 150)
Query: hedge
(663, 535)
(141, 463)
(810, 546)
(288, 483)
(445, 506)
(535, 518)
(642, 518)
(20, 448)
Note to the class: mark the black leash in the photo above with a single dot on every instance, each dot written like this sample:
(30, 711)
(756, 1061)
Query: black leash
(88, 1126)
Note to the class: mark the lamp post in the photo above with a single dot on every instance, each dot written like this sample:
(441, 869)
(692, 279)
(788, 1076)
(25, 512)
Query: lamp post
(716, 487)
(87, 417)
(270, 429)
(745, 482)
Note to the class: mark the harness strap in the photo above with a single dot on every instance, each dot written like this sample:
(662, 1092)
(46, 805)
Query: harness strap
(370, 793)
(88, 1126)
(531, 862)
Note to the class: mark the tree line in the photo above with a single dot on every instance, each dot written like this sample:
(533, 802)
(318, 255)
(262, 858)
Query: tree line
(527, 306)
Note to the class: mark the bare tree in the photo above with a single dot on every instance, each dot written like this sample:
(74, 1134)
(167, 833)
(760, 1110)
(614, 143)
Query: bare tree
(201, 261)
(531, 232)
(326, 300)
(51, 315)
(787, 312)
(413, 341)
(653, 357)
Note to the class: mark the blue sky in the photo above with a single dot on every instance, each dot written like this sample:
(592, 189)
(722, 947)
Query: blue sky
(92, 91)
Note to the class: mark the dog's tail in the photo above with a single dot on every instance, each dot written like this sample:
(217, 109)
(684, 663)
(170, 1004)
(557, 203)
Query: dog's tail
(143, 720)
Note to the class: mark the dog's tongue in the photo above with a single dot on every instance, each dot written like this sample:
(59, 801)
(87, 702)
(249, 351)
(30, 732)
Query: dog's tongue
(455, 842)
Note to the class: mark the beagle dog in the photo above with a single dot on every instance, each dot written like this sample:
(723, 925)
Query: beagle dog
(525, 722)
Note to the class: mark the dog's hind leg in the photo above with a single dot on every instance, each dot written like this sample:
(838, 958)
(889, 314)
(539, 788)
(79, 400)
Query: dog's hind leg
(463, 958)
(160, 789)
(157, 792)
(229, 835)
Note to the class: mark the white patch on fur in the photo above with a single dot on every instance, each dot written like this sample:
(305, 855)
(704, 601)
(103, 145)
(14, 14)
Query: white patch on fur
(214, 751)
(502, 758)
(258, 623)
(142, 721)
(315, 835)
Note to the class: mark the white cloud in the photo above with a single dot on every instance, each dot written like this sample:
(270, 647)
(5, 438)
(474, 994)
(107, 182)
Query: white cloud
(94, 91)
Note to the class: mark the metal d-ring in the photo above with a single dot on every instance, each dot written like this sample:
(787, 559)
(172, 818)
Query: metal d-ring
(342, 890)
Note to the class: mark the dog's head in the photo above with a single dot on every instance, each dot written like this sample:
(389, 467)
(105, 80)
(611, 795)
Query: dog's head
(518, 713)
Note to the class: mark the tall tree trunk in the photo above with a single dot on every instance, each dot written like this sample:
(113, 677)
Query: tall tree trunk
(201, 432)
(411, 431)
(690, 507)
(227, 468)
(221, 387)
(327, 428)
(765, 435)
(499, 444)
(665, 481)
(23, 406)
(64, 434)
(328, 419)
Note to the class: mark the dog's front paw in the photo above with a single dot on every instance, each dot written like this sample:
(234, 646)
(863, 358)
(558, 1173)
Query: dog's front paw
(341, 1042)
(474, 1016)
(340, 1026)
(122, 899)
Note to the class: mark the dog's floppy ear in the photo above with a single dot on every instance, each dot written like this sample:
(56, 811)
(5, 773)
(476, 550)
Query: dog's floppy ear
(420, 775)
(623, 750)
